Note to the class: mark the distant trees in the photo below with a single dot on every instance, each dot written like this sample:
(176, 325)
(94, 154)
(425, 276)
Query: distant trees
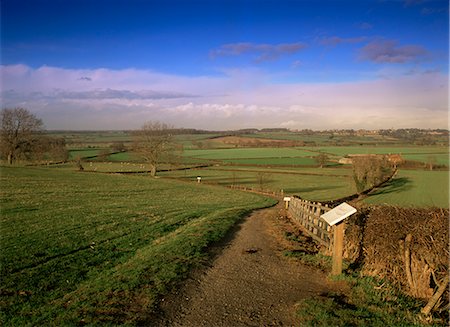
(370, 170)
(50, 149)
(154, 143)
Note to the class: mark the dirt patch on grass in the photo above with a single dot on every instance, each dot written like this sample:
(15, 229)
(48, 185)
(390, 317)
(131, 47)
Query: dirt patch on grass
(250, 283)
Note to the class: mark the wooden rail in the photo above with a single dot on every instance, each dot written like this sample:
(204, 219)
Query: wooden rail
(307, 214)
(257, 190)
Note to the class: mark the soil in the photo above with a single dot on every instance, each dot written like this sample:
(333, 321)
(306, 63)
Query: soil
(249, 283)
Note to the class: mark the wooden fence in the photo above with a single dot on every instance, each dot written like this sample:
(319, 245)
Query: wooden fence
(307, 214)
(257, 190)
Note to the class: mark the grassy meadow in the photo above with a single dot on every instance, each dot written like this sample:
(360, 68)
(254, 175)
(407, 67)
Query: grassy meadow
(418, 188)
(101, 246)
(293, 169)
(80, 248)
(319, 186)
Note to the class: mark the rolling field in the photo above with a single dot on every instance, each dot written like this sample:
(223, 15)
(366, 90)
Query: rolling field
(81, 248)
(324, 138)
(435, 158)
(244, 153)
(83, 153)
(345, 150)
(318, 185)
(256, 156)
(293, 161)
(418, 188)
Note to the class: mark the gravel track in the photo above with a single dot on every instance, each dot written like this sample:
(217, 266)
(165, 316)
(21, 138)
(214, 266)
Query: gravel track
(249, 284)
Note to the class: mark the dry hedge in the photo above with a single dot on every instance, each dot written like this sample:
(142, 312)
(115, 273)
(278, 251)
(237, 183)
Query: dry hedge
(407, 246)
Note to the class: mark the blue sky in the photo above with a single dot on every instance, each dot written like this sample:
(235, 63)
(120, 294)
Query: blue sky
(227, 64)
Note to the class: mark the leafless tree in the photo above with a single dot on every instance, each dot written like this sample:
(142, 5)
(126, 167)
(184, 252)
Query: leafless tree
(431, 162)
(154, 143)
(321, 159)
(19, 133)
(262, 178)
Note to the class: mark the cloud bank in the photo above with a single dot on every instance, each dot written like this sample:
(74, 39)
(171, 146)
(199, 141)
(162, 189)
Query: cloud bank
(388, 51)
(261, 52)
(125, 99)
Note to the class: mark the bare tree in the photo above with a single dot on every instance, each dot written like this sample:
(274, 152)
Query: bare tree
(431, 162)
(154, 143)
(262, 178)
(19, 130)
(321, 159)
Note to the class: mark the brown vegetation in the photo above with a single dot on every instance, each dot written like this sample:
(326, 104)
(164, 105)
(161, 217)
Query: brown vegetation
(19, 129)
(408, 247)
(22, 138)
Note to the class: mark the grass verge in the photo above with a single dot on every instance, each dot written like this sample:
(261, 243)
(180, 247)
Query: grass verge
(81, 248)
(368, 302)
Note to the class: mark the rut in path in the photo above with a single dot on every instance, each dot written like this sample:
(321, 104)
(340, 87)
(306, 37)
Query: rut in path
(248, 284)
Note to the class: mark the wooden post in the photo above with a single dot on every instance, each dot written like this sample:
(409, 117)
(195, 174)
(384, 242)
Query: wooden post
(338, 247)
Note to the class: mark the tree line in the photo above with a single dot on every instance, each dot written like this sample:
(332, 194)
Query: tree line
(23, 139)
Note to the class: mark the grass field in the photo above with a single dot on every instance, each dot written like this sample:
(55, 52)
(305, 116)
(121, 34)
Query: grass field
(81, 248)
(83, 153)
(307, 184)
(293, 161)
(435, 158)
(419, 188)
(345, 150)
(243, 153)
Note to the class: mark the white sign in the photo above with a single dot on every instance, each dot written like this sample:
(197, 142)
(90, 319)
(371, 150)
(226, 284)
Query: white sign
(287, 198)
(338, 214)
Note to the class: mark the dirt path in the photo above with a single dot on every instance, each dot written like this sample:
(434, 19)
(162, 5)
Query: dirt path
(248, 284)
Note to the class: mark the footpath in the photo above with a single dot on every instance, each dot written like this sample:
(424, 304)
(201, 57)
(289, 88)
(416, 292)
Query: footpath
(249, 283)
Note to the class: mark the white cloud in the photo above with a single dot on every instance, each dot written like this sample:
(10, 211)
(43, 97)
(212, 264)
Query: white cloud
(123, 99)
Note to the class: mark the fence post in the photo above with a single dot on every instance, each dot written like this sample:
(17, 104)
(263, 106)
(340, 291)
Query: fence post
(338, 248)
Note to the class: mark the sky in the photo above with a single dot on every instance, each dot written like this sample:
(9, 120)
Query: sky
(227, 64)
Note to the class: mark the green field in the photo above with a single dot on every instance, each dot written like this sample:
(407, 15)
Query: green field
(435, 158)
(325, 138)
(83, 153)
(243, 153)
(418, 188)
(294, 161)
(81, 248)
(345, 150)
(317, 186)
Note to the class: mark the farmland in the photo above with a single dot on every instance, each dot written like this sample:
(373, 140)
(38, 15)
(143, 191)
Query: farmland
(71, 240)
(293, 169)
(415, 188)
